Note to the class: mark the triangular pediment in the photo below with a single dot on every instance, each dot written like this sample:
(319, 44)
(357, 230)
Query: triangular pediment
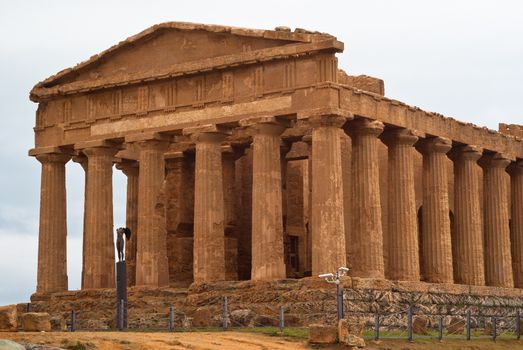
(171, 44)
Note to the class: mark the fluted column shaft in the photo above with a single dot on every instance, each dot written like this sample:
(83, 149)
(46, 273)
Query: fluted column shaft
(366, 234)
(130, 169)
(209, 236)
(151, 253)
(436, 239)
(467, 239)
(52, 238)
(402, 241)
(98, 271)
(516, 238)
(267, 226)
(498, 260)
(328, 228)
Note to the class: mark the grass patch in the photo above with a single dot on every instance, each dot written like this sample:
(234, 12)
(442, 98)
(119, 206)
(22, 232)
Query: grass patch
(288, 332)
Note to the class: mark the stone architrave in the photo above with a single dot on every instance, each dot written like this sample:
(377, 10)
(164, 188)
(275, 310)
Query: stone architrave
(498, 260)
(267, 226)
(98, 270)
(467, 238)
(328, 228)
(366, 234)
(52, 238)
(151, 252)
(436, 239)
(209, 230)
(402, 236)
(131, 170)
(516, 232)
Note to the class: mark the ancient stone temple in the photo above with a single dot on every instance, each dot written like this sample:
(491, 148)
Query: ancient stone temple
(250, 155)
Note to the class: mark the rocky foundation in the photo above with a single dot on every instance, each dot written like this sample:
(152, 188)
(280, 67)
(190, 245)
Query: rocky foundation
(305, 301)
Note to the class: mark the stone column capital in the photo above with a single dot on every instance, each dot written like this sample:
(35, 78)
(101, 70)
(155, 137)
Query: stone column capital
(493, 160)
(468, 152)
(327, 121)
(230, 151)
(516, 167)
(434, 144)
(99, 151)
(128, 166)
(399, 136)
(364, 126)
(53, 158)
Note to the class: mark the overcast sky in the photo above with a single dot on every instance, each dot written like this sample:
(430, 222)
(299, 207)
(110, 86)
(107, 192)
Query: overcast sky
(460, 58)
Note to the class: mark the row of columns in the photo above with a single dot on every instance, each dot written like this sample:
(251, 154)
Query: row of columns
(469, 256)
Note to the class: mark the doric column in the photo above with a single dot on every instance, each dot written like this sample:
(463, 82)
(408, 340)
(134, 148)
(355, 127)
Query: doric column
(436, 240)
(328, 229)
(467, 239)
(498, 261)
(131, 170)
(267, 226)
(229, 157)
(516, 238)
(180, 214)
(366, 234)
(98, 270)
(151, 252)
(52, 238)
(402, 240)
(209, 236)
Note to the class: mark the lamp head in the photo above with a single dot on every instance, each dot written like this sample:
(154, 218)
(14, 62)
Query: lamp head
(326, 275)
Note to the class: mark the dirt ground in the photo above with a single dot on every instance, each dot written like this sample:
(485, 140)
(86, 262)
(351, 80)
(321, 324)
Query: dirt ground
(228, 340)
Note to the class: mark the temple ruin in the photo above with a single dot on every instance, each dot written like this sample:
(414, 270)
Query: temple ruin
(250, 155)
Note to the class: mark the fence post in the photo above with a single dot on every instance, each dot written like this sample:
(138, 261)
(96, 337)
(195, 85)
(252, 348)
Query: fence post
(73, 321)
(494, 332)
(467, 325)
(377, 326)
(282, 319)
(171, 318)
(225, 313)
(518, 325)
(440, 328)
(409, 322)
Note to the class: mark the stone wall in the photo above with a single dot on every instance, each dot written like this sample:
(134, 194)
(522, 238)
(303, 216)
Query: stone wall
(306, 301)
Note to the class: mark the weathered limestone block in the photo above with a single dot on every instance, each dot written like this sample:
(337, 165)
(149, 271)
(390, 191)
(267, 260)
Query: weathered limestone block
(322, 334)
(420, 324)
(351, 325)
(36, 322)
(456, 325)
(354, 341)
(8, 318)
(366, 234)
(181, 262)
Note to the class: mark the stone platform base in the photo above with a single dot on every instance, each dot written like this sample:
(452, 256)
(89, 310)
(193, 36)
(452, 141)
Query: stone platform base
(305, 301)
